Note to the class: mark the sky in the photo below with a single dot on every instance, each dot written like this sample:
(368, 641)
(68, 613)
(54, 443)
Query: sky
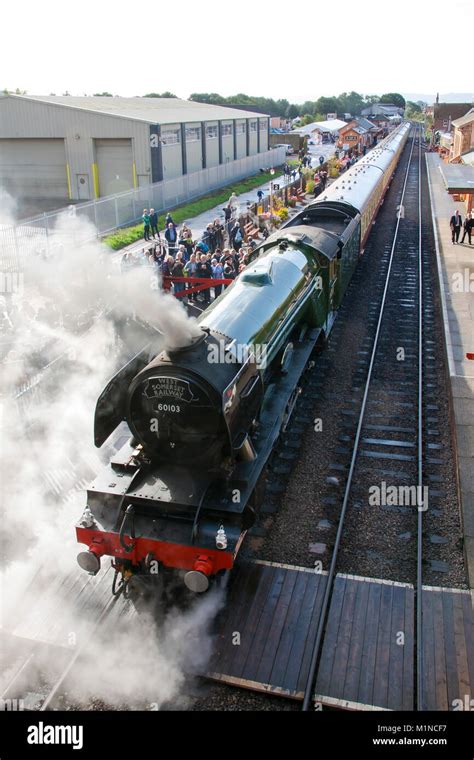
(276, 49)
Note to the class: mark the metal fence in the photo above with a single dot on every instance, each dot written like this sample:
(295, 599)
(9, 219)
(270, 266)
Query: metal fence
(105, 215)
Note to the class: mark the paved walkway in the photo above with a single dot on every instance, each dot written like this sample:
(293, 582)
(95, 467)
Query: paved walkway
(456, 275)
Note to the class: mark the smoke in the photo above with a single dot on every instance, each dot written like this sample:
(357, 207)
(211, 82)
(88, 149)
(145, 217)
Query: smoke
(148, 665)
(69, 318)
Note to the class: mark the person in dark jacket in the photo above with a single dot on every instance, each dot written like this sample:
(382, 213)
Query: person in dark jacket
(204, 269)
(154, 223)
(219, 234)
(167, 265)
(236, 238)
(171, 236)
(455, 223)
(468, 227)
(178, 271)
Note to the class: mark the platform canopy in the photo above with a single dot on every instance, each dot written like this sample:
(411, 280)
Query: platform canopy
(458, 178)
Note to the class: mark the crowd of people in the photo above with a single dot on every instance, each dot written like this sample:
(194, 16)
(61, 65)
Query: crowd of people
(175, 254)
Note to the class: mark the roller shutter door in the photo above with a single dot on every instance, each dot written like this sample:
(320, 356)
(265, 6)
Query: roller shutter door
(115, 165)
(34, 168)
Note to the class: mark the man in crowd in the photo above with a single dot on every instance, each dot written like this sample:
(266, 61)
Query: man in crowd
(468, 227)
(204, 269)
(217, 274)
(190, 271)
(171, 236)
(154, 223)
(455, 223)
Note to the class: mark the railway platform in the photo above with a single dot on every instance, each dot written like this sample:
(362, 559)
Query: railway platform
(456, 277)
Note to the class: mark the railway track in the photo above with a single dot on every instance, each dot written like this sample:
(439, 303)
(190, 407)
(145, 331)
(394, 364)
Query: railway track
(391, 434)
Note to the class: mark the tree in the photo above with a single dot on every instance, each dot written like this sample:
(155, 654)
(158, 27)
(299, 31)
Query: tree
(308, 106)
(207, 97)
(371, 99)
(393, 98)
(159, 95)
(102, 95)
(6, 91)
(350, 102)
(291, 112)
(327, 105)
(413, 107)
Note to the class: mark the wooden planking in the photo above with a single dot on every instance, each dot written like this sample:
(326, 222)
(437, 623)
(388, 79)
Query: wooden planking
(448, 647)
(275, 609)
(468, 610)
(363, 661)
(351, 684)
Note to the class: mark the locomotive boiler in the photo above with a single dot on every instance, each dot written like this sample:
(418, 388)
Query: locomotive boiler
(196, 424)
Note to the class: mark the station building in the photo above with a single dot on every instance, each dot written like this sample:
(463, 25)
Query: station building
(80, 148)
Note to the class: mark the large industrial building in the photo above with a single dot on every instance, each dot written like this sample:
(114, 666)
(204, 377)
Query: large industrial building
(81, 148)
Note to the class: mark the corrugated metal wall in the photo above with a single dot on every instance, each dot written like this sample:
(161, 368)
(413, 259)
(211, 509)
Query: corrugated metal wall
(82, 130)
(33, 168)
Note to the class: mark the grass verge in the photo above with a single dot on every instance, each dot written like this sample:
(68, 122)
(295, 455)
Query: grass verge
(180, 214)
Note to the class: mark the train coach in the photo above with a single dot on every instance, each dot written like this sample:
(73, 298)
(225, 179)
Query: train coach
(202, 419)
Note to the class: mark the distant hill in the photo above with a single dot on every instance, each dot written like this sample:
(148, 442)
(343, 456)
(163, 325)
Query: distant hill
(444, 97)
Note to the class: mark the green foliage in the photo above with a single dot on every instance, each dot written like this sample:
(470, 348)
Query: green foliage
(159, 95)
(413, 107)
(103, 95)
(394, 98)
(129, 235)
(310, 185)
(326, 105)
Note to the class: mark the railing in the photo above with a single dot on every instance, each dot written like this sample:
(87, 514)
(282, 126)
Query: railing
(105, 215)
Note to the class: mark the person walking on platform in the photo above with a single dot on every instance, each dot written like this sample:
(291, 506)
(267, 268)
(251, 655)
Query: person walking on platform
(455, 223)
(468, 227)
(146, 224)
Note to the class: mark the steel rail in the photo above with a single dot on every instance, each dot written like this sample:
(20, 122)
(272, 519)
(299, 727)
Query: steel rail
(332, 569)
(420, 504)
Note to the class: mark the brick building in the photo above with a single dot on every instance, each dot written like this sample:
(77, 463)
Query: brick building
(463, 138)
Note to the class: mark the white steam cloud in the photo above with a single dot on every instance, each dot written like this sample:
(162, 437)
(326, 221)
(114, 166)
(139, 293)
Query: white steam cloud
(68, 321)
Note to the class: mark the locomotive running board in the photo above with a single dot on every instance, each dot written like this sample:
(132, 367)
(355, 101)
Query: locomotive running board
(279, 402)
